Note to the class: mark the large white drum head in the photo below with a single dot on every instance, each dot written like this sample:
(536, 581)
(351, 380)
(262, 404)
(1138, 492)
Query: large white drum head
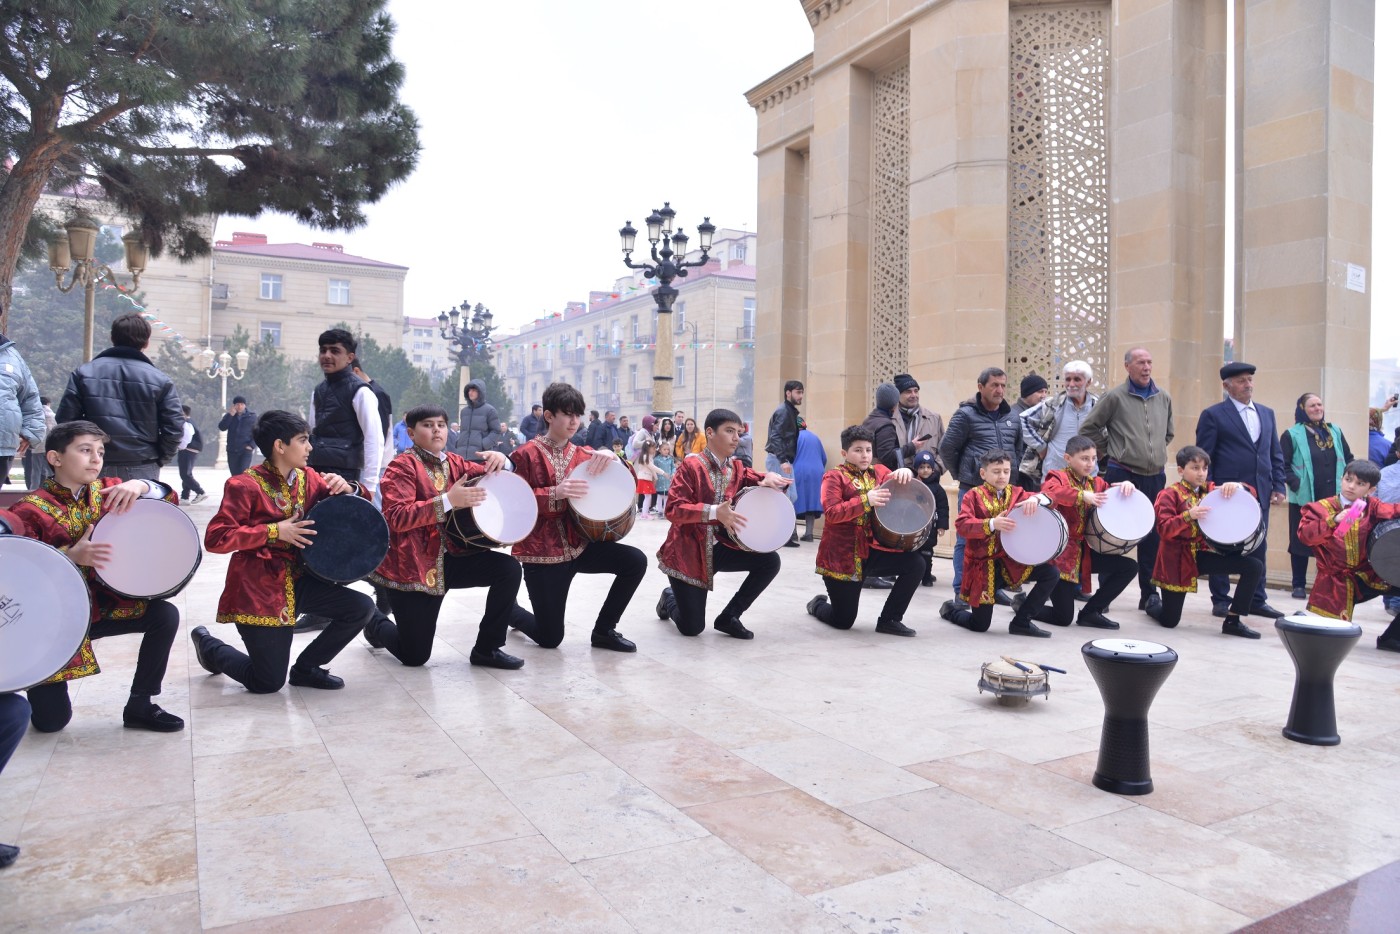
(510, 510)
(1130, 518)
(770, 518)
(44, 611)
(610, 493)
(1230, 521)
(1037, 538)
(155, 549)
(1130, 647)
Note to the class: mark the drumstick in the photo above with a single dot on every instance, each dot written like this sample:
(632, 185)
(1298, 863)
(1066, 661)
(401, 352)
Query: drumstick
(1053, 668)
(1011, 661)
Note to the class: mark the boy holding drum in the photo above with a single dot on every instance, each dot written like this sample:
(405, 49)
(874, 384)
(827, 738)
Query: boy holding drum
(699, 503)
(62, 513)
(848, 551)
(557, 549)
(1338, 529)
(986, 512)
(262, 523)
(419, 488)
(1182, 556)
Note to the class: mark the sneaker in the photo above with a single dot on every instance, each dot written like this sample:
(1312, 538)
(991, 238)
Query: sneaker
(198, 498)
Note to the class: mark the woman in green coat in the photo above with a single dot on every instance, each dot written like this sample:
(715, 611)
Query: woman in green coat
(1314, 453)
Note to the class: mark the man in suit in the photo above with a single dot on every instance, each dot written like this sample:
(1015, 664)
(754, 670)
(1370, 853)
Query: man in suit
(1242, 440)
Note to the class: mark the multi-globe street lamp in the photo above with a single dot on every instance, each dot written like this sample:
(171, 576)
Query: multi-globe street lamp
(222, 370)
(471, 338)
(667, 264)
(74, 253)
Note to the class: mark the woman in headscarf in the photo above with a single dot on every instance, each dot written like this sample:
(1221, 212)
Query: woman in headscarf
(1314, 453)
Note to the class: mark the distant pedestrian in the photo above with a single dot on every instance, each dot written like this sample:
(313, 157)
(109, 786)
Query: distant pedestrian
(191, 443)
(36, 466)
(238, 421)
(807, 470)
(532, 425)
(21, 411)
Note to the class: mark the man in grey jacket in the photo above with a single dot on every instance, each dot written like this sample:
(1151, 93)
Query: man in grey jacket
(480, 423)
(21, 411)
(1048, 426)
(981, 424)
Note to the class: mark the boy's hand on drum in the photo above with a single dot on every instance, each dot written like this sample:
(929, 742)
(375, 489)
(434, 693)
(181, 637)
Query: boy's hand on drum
(902, 475)
(775, 481)
(1229, 489)
(598, 463)
(461, 496)
(1004, 523)
(120, 497)
(1092, 498)
(730, 519)
(494, 461)
(298, 532)
(1125, 489)
(878, 496)
(1198, 511)
(89, 553)
(1029, 507)
(335, 483)
(573, 487)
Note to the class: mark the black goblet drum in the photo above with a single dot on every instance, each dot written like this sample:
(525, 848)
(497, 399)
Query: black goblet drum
(1129, 673)
(1317, 645)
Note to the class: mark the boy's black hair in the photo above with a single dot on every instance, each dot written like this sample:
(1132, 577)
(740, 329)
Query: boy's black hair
(338, 336)
(562, 399)
(1078, 444)
(1364, 470)
(277, 425)
(853, 433)
(996, 456)
(420, 412)
(718, 417)
(66, 433)
(1191, 453)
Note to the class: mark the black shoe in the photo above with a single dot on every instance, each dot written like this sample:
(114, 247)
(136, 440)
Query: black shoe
(1006, 597)
(314, 678)
(733, 627)
(878, 583)
(197, 635)
(1018, 601)
(8, 854)
(792, 542)
(806, 538)
(1233, 627)
(1146, 599)
(612, 639)
(1300, 593)
(928, 581)
(1027, 628)
(1154, 609)
(946, 610)
(368, 632)
(1266, 611)
(308, 623)
(815, 602)
(1082, 597)
(495, 659)
(1388, 645)
(893, 627)
(1220, 610)
(152, 718)
(661, 611)
(1095, 620)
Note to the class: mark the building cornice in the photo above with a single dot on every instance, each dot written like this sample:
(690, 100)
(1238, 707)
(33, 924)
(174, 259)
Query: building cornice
(818, 10)
(256, 261)
(791, 81)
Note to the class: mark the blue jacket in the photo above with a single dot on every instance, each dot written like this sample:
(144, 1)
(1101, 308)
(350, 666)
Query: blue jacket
(21, 413)
(1234, 458)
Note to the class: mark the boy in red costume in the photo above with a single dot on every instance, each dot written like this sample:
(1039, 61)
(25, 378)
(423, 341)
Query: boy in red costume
(700, 503)
(1338, 529)
(262, 523)
(419, 488)
(555, 550)
(849, 552)
(987, 512)
(1181, 558)
(61, 513)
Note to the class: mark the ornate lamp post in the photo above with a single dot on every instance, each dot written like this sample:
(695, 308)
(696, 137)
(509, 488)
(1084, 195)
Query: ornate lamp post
(667, 263)
(471, 339)
(74, 253)
(222, 370)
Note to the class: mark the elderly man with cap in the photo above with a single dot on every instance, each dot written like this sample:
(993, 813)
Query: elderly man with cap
(1048, 426)
(1242, 440)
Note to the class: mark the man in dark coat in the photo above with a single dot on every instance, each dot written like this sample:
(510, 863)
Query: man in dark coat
(1242, 439)
(347, 431)
(238, 421)
(479, 431)
(533, 424)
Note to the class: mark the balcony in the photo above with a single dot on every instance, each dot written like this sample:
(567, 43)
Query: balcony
(642, 395)
(607, 350)
(579, 355)
(744, 332)
(515, 368)
(607, 400)
(542, 365)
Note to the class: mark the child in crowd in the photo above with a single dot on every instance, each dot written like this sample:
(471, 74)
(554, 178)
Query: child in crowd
(926, 471)
(665, 464)
(987, 511)
(848, 550)
(646, 472)
(1183, 557)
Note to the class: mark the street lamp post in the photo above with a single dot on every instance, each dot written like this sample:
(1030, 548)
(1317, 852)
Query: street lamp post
(74, 252)
(667, 264)
(695, 367)
(468, 340)
(222, 370)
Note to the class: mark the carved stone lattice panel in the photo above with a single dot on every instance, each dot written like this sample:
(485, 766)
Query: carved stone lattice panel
(889, 227)
(1057, 209)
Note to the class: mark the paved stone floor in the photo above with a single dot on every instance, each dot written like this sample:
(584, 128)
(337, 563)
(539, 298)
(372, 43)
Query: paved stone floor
(809, 780)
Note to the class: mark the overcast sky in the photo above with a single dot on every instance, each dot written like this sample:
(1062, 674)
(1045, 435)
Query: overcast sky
(539, 142)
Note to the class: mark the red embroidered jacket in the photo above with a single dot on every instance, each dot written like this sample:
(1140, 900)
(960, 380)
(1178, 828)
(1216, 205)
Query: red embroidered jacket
(54, 516)
(982, 553)
(1075, 563)
(258, 589)
(411, 497)
(1342, 564)
(699, 482)
(847, 535)
(544, 465)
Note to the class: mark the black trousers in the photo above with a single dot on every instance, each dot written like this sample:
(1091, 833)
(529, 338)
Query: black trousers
(1044, 578)
(188, 484)
(686, 607)
(263, 670)
(1220, 583)
(158, 628)
(906, 567)
(409, 637)
(5, 463)
(1115, 573)
(14, 720)
(239, 461)
(548, 586)
(1248, 567)
(1150, 485)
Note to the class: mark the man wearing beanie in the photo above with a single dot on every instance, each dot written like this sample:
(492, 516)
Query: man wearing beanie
(238, 422)
(1034, 389)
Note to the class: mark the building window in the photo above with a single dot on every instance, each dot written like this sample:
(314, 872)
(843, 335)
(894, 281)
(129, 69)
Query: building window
(338, 292)
(635, 332)
(738, 253)
(678, 310)
(680, 371)
(270, 331)
(632, 378)
(271, 289)
(750, 319)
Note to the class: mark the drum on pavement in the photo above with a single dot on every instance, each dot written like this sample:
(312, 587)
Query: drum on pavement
(507, 516)
(1116, 527)
(608, 510)
(351, 539)
(155, 550)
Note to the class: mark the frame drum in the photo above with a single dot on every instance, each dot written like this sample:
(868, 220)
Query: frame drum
(1116, 527)
(507, 516)
(770, 519)
(155, 550)
(1383, 549)
(1234, 526)
(905, 521)
(1036, 539)
(44, 612)
(608, 510)
(351, 540)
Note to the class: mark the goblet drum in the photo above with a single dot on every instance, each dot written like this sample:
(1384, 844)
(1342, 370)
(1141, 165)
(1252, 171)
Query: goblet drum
(1317, 646)
(1129, 673)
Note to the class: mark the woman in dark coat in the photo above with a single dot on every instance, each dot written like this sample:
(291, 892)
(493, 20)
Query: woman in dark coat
(1314, 453)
